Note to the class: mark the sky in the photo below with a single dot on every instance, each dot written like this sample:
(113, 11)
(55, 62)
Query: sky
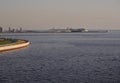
(46, 14)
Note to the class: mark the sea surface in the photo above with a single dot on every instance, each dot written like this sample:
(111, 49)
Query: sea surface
(63, 58)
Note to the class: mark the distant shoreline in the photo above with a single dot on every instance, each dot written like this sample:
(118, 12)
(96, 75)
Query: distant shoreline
(34, 31)
(55, 30)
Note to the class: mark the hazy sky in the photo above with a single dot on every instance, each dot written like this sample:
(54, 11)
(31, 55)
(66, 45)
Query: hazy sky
(43, 14)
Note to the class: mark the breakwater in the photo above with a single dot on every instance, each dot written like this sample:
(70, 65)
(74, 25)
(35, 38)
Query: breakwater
(14, 45)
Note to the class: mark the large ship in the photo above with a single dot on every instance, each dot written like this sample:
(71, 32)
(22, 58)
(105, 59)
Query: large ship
(68, 30)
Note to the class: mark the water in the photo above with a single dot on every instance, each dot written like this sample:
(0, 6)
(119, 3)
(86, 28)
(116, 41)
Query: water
(63, 58)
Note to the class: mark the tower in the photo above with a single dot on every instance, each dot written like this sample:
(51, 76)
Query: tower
(1, 29)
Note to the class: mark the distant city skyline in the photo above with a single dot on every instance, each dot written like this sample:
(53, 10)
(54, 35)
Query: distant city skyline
(46, 14)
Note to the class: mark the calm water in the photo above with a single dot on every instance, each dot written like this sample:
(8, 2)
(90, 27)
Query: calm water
(63, 58)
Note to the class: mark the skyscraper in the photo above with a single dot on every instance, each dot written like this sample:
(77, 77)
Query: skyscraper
(1, 29)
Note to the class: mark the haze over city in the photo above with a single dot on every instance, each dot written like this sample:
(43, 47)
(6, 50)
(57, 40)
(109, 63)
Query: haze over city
(46, 14)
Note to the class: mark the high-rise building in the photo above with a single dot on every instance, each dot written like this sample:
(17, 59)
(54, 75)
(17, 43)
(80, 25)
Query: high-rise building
(9, 30)
(1, 29)
(20, 29)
